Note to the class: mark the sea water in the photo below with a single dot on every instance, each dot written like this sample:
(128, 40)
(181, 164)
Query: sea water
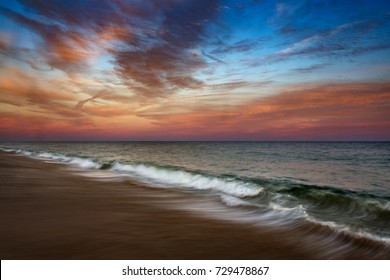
(343, 186)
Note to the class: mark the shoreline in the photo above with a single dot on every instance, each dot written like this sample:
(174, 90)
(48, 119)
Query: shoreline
(49, 213)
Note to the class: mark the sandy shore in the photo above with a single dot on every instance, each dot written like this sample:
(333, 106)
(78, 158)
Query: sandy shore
(47, 212)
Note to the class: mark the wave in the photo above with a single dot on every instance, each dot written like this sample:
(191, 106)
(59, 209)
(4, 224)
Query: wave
(323, 197)
(50, 156)
(356, 212)
(163, 176)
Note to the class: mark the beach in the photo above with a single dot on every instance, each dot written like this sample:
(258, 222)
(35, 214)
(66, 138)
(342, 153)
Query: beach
(49, 211)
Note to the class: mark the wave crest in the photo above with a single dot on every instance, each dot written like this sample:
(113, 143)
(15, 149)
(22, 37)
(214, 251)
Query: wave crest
(187, 180)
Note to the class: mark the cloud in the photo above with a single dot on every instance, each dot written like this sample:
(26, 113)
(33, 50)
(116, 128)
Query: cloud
(369, 49)
(288, 29)
(158, 71)
(5, 43)
(212, 57)
(8, 50)
(168, 61)
(186, 66)
(241, 46)
(22, 89)
(337, 42)
(283, 10)
(311, 68)
(62, 48)
(152, 42)
(21, 126)
(80, 104)
(239, 84)
(322, 111)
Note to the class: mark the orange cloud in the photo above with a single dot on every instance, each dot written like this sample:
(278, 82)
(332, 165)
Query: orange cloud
(335, 111)
(20, 87)
(39, 107)
(70, 49)
(32, 108)
(22, 126)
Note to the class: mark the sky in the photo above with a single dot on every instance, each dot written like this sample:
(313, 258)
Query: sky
(195, 70)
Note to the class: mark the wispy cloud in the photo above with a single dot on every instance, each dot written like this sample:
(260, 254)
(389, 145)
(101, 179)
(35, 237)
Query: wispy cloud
(241, 46)
(336, 42)
(80, 104)
(310, 112)
(311, 68)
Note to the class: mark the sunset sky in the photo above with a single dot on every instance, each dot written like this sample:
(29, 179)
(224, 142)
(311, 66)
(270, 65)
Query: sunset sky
(194, 70)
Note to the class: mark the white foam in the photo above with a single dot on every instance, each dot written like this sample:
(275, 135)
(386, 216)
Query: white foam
(84, 163)
(341, 228)
(187, 180)
(26, 153)
(234, 201)
(75, 161)
(384, 205)
(7, 150)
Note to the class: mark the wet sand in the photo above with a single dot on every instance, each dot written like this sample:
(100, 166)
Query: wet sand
(47, 212)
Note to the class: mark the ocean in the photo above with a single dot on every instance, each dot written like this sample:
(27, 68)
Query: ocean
(340, 188)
